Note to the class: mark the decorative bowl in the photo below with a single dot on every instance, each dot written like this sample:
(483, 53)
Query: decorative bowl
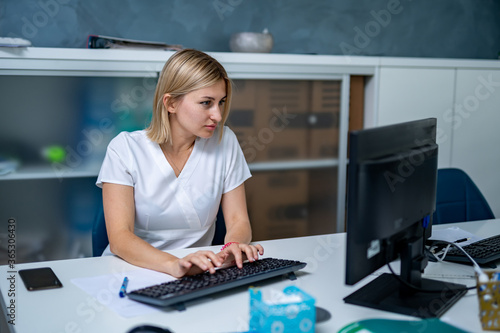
(260, 42)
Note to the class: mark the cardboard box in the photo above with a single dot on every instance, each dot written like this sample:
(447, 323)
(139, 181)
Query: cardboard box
(278, 204)
(242, 122)
(322, 201)
(244, 94)
(324, 119)
(241, 118)
(282, 107)
(326, 95)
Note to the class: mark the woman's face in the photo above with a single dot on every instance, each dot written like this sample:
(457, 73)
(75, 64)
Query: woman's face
(198, 112)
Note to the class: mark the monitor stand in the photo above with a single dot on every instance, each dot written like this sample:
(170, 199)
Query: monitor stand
(389, 293)
(384, 293)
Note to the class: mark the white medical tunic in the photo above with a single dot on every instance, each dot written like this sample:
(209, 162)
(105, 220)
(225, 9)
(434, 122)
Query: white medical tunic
(175, 212)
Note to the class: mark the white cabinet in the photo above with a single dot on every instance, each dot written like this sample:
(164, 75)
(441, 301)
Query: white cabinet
(464, 96)
(414, 93)
(476, 130)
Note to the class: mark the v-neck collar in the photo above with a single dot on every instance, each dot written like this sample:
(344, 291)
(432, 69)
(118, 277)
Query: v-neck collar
(189, 166)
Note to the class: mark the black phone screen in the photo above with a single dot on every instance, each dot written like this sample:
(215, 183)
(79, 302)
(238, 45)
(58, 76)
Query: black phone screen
(39, 278)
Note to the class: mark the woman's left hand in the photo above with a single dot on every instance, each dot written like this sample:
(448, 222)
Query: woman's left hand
(237, 253)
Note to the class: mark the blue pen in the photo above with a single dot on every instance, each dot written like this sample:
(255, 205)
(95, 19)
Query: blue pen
(123, 288)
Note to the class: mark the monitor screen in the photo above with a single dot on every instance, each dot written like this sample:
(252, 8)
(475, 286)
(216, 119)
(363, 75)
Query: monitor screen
(391, 196)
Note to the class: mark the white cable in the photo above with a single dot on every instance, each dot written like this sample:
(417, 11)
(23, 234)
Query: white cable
(482, 276)
(441, 253)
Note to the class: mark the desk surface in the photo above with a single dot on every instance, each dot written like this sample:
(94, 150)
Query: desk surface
(70, 309)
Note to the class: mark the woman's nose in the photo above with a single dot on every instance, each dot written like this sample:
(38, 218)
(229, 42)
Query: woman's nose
(216, 114)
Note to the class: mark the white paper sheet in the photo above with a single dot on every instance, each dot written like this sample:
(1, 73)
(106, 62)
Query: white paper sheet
(452, 234)
(105, 289)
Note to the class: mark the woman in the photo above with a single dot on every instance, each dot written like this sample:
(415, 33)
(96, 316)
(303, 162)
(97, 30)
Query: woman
(162, 186)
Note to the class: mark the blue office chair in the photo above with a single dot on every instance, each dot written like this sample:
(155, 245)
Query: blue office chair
(220, 229)
(458, 199)
(100, 236)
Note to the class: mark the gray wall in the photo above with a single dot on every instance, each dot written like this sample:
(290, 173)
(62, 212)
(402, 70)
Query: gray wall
(405, 28)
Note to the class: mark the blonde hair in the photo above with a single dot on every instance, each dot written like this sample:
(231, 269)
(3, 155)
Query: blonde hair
(185, 71)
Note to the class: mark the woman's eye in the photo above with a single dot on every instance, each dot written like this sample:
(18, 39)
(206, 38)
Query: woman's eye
(205, 103)
(222, 102)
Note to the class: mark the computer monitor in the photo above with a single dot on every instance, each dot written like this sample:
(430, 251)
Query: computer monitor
(391, 196)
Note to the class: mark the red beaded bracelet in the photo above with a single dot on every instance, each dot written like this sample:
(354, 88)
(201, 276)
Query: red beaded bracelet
(228, 244)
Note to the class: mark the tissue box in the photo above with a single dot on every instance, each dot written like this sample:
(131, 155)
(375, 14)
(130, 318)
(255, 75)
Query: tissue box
(290, 311)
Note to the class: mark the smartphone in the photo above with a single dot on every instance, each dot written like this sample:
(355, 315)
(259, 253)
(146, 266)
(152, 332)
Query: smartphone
(39, 278)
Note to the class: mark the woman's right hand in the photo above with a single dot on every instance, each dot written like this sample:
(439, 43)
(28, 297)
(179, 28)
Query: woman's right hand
(197, 262)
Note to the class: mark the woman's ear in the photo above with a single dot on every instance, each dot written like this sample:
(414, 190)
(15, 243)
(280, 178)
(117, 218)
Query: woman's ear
(168, 103)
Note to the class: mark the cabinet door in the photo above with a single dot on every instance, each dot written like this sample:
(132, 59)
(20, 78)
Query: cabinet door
(476, 137)
(54, 201)
(407, 94)
(288, 130)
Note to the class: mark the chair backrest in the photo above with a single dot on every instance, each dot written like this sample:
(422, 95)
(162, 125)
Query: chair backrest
(100, 236)
(458, 199)
(220, 229)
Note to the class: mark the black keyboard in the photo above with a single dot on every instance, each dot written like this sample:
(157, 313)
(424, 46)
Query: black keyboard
(175, 293)
(484, 251)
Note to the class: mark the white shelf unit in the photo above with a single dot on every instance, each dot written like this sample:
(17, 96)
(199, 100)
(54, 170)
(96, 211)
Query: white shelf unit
(56, 189)
(47, 172)
(147, 64)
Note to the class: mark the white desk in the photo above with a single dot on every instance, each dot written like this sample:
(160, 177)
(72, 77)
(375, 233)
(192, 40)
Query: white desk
(69, 309)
